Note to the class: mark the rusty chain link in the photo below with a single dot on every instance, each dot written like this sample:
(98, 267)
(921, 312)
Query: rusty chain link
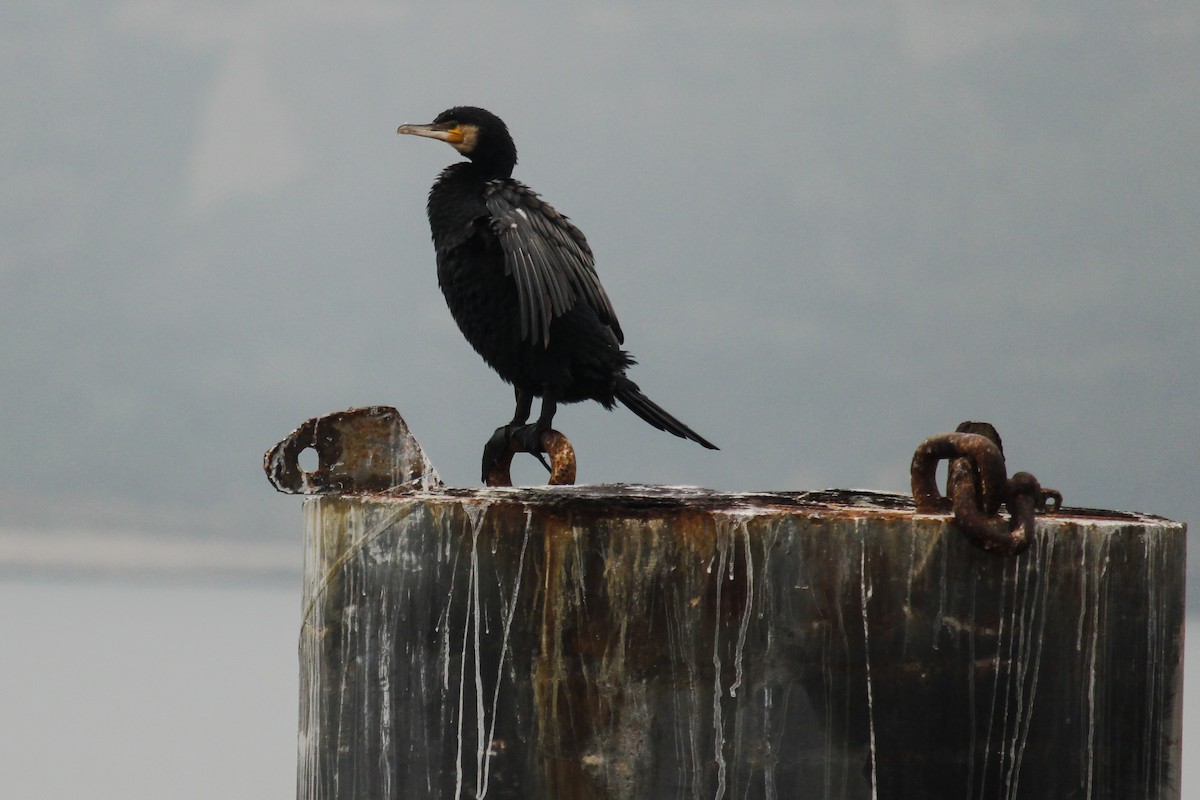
(977, 486)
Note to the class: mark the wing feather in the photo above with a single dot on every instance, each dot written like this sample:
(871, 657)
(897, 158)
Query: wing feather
(547, 257)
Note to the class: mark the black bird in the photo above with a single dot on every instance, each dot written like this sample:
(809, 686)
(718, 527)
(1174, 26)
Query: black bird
(521, 283)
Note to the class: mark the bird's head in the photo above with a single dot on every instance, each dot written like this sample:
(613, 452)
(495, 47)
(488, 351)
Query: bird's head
(478, 134)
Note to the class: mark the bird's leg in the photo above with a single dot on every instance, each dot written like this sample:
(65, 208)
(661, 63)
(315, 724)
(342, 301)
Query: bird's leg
(516, 433)
(524, 406)
(546, 418)
(528, 438)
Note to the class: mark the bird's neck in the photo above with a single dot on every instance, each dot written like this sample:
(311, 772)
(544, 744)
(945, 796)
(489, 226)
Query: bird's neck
(469, 176)
(464, 172)
(489, 167)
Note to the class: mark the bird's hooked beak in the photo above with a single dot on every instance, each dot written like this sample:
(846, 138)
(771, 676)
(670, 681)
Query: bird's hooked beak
(452, 133)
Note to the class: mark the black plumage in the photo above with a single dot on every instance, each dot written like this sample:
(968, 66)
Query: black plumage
(521, 283)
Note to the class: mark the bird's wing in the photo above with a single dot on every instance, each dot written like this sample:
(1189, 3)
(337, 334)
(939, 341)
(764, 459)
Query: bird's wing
(547, 257)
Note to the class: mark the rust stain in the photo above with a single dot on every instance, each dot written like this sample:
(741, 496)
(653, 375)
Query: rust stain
(359, 450)
(564, 710)
(608, 632)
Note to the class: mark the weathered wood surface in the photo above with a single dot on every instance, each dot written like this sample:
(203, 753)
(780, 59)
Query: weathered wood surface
(637, 642)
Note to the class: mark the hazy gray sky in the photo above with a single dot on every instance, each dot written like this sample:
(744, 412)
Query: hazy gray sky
(830, 229)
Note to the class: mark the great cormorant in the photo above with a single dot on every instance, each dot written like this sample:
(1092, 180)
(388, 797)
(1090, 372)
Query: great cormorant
(521, 283)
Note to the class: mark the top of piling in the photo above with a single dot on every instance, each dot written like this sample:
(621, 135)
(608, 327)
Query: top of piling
(371, 453)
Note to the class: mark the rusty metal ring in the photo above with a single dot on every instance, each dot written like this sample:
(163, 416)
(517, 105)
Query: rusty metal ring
(976, 488)
(990, 532)
(985, 456)
(555, 445)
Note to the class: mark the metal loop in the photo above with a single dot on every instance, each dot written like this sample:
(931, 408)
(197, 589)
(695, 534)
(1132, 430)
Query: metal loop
(976, 487)
(555, 445)
(984, 457)
(990, 532)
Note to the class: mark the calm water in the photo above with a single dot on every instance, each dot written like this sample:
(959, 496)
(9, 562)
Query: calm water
(149, 692)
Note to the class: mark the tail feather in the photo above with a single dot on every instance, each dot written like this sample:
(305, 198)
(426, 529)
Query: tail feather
(632, 398)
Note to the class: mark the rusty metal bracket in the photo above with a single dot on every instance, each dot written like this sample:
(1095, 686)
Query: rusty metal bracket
(358, 450)
(977, 486)
(555, 445)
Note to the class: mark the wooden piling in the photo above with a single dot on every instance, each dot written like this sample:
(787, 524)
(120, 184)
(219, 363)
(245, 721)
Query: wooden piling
(647, 642)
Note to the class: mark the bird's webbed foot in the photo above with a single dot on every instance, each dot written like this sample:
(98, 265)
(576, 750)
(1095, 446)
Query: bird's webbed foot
(513, 438)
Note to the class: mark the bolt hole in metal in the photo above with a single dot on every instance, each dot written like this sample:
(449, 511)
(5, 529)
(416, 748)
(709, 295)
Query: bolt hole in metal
(308, 459)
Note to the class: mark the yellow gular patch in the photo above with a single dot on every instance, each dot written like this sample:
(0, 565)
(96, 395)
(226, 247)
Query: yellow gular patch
(467, 136)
